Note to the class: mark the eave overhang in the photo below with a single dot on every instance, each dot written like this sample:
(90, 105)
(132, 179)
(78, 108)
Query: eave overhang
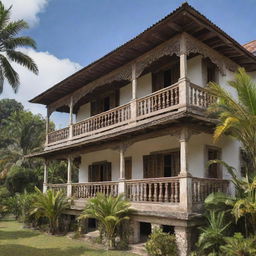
(183, 19)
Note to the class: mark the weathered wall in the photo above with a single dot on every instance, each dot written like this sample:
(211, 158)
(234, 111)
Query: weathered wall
(196, 155)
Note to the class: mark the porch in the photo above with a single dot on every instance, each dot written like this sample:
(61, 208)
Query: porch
(181, 193)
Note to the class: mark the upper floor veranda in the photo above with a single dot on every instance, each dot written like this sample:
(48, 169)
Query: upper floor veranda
(161, 80)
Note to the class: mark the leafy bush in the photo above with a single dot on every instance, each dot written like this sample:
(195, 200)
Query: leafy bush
(239, 246)
(161, 244)
(20, 179)
(110, 212)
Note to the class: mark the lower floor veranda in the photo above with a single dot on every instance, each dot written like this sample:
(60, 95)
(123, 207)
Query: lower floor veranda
(168, 169)
(163, 174)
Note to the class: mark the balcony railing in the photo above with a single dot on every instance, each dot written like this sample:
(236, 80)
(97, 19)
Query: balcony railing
(167, 191)
(90, 189)
(162, 101)
(153, 190)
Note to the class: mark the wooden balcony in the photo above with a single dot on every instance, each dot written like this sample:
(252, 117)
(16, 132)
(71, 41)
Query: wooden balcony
(168, 100)
(163, 191)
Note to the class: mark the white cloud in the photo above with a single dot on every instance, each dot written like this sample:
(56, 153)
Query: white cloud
(51, 71)
(26, 9)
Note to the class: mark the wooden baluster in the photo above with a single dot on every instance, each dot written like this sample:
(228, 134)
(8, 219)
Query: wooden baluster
(160, 192)
(144, 192)
(155, 197)
(149, 192)
(166, 192)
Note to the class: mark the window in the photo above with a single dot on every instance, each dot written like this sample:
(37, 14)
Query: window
(128, 168)
(209, 71)
(161, 165)
(211, 74)
(214, 169)
(99, 172)
(104, 103)
(165, 78)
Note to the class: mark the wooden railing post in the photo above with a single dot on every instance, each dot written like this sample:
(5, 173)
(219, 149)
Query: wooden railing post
(45, 176)
(71, 118)
(69, 177)
(47, 121)
(186, 193)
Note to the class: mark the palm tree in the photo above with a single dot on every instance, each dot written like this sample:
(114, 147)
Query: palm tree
(110, 212)
(237, 112)
(26, 135)
(9, 42)
(50, 205)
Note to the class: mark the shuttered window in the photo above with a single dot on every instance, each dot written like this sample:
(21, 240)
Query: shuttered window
(161, 165)
(165, 78)
(100, 172)
(213, 169)
(104, 103)
(128, 168)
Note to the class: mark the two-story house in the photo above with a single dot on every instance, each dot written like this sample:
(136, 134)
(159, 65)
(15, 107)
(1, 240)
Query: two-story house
(139, 126)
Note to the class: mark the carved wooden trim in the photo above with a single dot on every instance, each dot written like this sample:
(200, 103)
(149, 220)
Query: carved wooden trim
(170, 48)
(195, 46)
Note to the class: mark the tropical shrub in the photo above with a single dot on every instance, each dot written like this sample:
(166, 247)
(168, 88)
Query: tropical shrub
(239, 246)
(161, 244)
(110, 212)
(50, 205)
(212, 236)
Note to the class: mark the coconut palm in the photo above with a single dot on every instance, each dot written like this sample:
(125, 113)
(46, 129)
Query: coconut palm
(110, 212)
(9, 42)
(50, 205)
(236, 111)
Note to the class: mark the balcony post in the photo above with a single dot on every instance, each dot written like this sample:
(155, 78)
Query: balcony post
(47, 121)
(183, 80)
(71, 118)
(45, 176)
(134, 94)
(121, 184)
(69, 177)
(184, 176)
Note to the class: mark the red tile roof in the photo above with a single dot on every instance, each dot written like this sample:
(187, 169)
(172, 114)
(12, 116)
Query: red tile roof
(251, 47)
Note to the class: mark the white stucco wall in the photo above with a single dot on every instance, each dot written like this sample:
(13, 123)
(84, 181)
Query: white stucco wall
(195, 73)
(196, 155)
(83, 112)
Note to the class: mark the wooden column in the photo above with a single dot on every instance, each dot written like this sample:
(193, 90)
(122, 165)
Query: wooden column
(183, 80)
(71, 117)
(47, 124)
(134, 94)
(185, 177)
(183, 58)
(45, 176)
(121, 185)
(69, 177)
(134, 82)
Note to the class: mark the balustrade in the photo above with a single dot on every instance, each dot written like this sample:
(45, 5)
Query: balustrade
(58, 187)
(202, 187)
(90, 189)
(153, 190)
(159, 100)
(200, 97)
(58, 135)
(166, 99)
(115, 116)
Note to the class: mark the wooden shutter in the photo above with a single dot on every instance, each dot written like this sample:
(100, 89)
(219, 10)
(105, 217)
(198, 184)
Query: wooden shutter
(106, 171)
(213, 169)
(175, 73)
(153, 166)
(159, 165)
(128, 168)
(157, 81)
(175, 163)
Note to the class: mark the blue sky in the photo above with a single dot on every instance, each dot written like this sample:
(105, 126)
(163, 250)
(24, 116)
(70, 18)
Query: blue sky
(84, 30)
(71, 34)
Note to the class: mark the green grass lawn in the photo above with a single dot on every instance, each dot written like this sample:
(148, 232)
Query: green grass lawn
(16, 241)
